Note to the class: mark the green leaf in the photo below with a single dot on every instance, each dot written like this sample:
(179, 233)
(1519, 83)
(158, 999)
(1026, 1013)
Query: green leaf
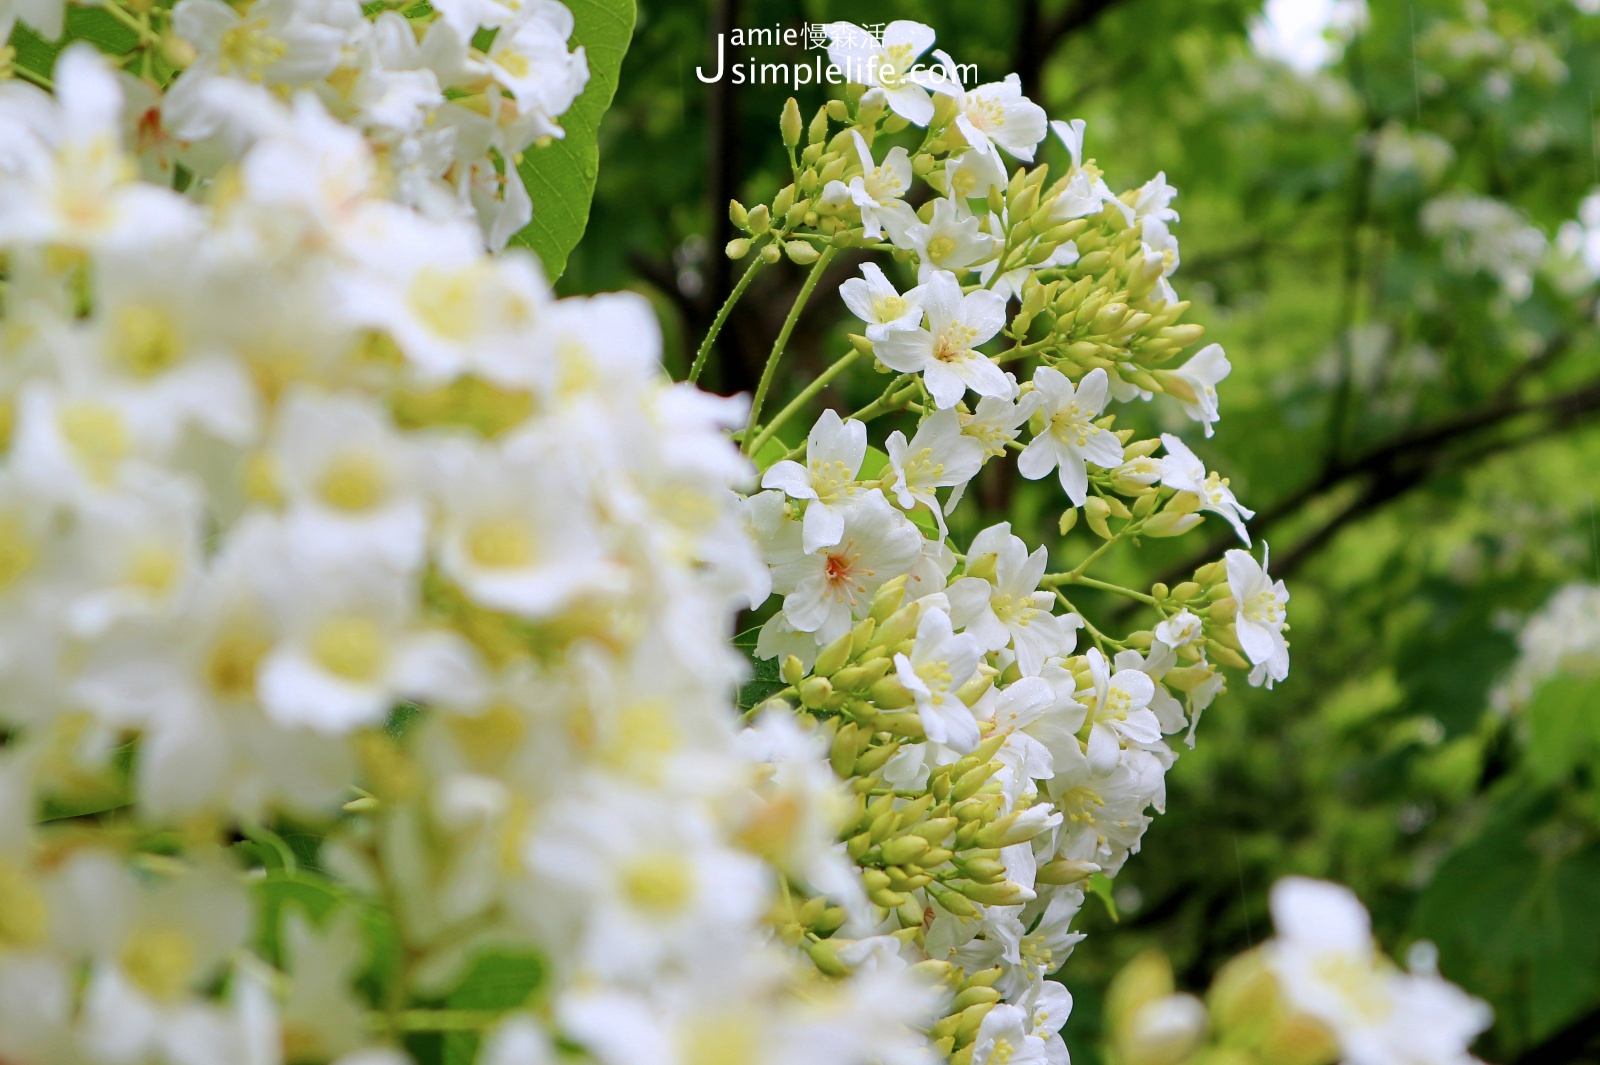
(1517, 926)
(1100, 888)
(770, 453)
(38, 55)
(1564, 726)
(764, 680)
(501, 980)
(561, 176)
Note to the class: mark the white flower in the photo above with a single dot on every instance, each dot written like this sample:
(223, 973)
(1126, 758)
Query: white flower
(970, 176)
(64, 177)
(1202, 374)
(946, 352)
(827, 590)
(878, 191)
(517, 533)
(874, 300)
(1179, 630)
(529, 57)
(1086, 192)
(940, 663)
(1004, 1039)
(1182, 470)
(274, 42)
(46, 16)
(884, 64)
(938, 456)
(997, 420)
(1263, 614)
(350, 651)
(1118, 709)
(642, 878)
(1329, 967)
(350, 480)
(448, 307)
(952, 239)
(1009, 609)
(1070, 439)
(998, 115)
(834, 451)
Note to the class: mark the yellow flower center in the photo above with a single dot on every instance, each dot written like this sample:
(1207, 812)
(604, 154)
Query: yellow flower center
(351, 647)
(353, 482)
(145, 340)
(661, 883)
(159, 961)
(503, 543)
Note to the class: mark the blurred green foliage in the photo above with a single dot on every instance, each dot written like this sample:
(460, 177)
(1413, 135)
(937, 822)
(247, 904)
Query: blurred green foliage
(1419, 436)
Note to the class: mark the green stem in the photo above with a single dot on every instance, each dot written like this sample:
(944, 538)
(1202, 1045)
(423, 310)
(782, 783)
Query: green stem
(722, 316)
(146, 34)
(894, 397)
(782, 342)
(1074, 577)
(805, 396)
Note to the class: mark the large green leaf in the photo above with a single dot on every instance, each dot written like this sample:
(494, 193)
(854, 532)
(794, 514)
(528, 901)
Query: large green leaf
(561, 176)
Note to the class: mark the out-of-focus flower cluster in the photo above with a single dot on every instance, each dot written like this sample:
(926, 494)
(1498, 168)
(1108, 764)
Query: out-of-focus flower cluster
(290, 452)
(1562, 637)
(446, 121)
(1319, 992)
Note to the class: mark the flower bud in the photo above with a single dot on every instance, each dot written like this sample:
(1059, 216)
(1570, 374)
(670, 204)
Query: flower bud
(1004, 893)
(738, 215)
(888, 598)
(1095, 512)
(814, 691)
(791, 125)
(770, 254)
(1168, 523)
(1063, 871)
(1069, 518)
(738, 247)
(792, 670)
(825, 956)
(903, 849)
(783, 201)
(817, 131)
(833, 656)
(759, 219)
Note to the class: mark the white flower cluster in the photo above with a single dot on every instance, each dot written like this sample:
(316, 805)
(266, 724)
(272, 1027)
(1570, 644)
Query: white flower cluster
(447, 122)
(1481, 233)
(289, 452)
(1013, 763)
(1563, 636)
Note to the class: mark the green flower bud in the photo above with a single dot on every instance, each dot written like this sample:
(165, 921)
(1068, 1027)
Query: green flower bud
(738, 248)
(834, 655)
(790, 125)
(1095, 512)
(801, 253)
(814, 691)
(817, 132)
(1062, 871)
(737, 214)
(770, 254)
(783, 201)
(792, 670)
(904, 849)
(759, 219)
(1169, 524)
